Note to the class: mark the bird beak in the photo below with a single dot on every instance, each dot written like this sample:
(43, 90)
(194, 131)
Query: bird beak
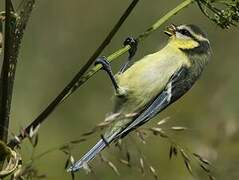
(171, 30)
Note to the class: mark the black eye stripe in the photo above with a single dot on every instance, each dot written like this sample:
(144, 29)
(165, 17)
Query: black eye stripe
(185, 32)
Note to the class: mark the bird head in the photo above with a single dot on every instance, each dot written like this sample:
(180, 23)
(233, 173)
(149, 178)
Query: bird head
(188, 38)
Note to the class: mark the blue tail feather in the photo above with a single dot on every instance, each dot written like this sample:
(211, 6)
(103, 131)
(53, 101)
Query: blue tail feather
(100, 145)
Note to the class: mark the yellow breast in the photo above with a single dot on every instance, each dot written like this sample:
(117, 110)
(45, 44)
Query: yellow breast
(148, 77)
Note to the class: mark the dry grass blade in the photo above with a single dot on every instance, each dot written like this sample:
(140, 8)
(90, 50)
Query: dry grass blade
(78, 141)
(141, 135)
(89, 132)
(72, 160)
(141, 161)
(125, 162)
(175, 151)
(163, 121)
(153, 171)
(211, 177)
(118, 144)
(188, 166)
(103, 124)
(112, 166)
(159, 131)
(178, 128)
(206, 169)
(102, 158)
(171, 151)
(109, 163)
(186, 160)
(98, 127)
(184, 155)
(203, 160)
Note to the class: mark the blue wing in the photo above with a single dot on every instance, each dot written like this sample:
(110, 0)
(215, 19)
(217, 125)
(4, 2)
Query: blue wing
(178, 85)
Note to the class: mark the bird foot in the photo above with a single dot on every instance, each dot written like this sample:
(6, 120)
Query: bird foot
(133, 43)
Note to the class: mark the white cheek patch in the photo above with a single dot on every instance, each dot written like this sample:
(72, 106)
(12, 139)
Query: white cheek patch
(181, 36)
(200, 38)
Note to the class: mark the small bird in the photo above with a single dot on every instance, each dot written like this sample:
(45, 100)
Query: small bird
(152, 83)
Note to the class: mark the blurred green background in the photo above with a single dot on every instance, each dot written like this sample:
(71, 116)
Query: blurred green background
(62, 35)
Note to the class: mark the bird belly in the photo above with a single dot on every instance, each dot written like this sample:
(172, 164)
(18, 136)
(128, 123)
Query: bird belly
(147, 78)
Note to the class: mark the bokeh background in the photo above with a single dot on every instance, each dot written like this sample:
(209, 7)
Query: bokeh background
(62, 35)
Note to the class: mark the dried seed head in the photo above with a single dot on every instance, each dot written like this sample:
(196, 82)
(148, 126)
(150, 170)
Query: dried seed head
(201, 159)
(141, 160)
(159, 131)
(163, 121)
(178, 128)
(206, 169)
(113, 167)
(153, 171)
(123, 161)
(184, 155)
(188, 166)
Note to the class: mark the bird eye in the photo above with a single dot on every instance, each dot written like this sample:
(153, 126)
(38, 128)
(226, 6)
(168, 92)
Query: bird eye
(185, 32)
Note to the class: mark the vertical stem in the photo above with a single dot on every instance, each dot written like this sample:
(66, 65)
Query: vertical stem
(5, 82)
(14, 30)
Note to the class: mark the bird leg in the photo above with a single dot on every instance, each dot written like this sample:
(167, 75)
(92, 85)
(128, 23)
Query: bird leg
(133, 43)
(107, 67)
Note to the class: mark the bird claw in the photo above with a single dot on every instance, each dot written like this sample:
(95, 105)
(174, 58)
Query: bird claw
(103, 61)
(133, 43)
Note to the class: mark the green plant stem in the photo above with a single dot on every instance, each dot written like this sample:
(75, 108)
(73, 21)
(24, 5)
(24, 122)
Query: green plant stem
(96, 68)
(5, 82)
